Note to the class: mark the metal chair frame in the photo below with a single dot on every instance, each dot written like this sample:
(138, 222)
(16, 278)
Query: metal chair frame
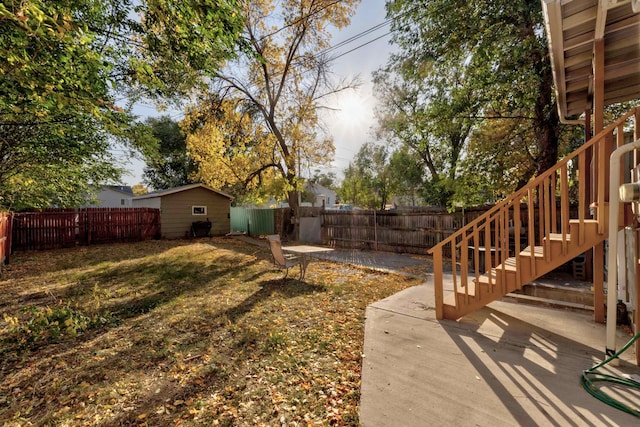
(280, 259)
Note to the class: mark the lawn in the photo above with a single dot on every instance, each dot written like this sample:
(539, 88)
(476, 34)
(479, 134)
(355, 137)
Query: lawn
(199, 332)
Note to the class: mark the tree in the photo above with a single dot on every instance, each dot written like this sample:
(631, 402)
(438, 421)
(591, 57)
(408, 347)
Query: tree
(58, 164)
(406, 176)
(181, 44)
(482, 60)
(284, 79)
(169, 166)
(63, 64)
(367, 179)
(139, 190)
(327, 180)
(430, 117)
(233, 150)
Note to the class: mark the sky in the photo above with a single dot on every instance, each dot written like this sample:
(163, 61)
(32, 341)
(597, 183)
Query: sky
(350, 125)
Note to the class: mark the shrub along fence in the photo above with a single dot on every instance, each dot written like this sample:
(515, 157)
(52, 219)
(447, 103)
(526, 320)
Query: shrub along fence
(59, 228)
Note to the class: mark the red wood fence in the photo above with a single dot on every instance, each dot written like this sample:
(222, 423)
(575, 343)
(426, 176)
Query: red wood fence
(106, 225)
(52, 228)
(5, 237)
(59, 228)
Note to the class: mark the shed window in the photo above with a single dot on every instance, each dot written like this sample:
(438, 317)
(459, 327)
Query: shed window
(198, 210)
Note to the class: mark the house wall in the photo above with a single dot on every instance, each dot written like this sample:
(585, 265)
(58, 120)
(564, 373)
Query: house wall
(108, 198)
(325, 200)
(176, 212)
(323, 196)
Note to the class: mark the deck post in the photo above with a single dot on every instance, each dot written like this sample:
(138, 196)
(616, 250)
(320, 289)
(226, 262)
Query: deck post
(437, 283)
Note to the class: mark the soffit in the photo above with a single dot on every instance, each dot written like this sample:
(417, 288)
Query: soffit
(573, 27)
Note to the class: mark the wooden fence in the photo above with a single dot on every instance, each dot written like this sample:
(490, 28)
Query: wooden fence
(59, 228)
(410, 231)
(5, 237)
(105, 225)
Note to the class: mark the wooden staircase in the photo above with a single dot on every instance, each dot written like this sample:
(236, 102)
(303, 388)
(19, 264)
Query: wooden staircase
(533, 231)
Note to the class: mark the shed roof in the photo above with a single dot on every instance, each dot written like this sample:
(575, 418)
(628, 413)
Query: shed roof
(180, 189)
(573, 27)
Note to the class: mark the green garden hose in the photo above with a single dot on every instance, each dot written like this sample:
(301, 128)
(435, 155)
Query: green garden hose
(591, 376)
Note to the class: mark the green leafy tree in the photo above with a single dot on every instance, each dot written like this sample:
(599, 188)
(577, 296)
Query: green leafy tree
(368, 178)
(179, 45)
(327, 180)
(58, 164)
(63, 65)
(169, 166)
(406, 176)
(460, 64)
(431, 118)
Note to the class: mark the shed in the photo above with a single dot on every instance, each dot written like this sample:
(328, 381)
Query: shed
(180, 207)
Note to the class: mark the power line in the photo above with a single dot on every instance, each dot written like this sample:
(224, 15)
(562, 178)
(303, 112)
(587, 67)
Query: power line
(360, 46)
(335, 47)
(356, 37)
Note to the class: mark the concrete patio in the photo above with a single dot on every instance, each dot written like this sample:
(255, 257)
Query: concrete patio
(507, 364)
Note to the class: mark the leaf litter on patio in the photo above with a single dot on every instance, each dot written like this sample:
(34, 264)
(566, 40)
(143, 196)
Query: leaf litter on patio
(181, 333)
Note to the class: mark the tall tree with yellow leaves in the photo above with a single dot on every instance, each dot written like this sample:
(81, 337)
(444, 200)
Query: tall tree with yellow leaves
(282, 81)
(232, 149)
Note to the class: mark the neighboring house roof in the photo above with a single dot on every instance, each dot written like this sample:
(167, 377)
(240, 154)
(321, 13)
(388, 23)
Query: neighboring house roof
(125, 189)
(178, 190)
(573, 28)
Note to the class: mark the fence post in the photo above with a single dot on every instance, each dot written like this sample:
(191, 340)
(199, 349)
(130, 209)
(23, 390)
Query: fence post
(6, 228)
(375, 230)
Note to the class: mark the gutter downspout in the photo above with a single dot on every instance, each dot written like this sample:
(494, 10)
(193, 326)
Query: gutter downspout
(612, 267)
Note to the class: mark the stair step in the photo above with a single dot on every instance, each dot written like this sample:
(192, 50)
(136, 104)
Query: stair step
(586, 221)
(557, 237)
(547, 302)
(578, 292)
(510, 264)
(538, 251)
(526, 252)
(590, 226)
(509, 281)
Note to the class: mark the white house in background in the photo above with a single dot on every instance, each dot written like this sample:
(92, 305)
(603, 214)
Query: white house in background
(114, 196)
(323, 196)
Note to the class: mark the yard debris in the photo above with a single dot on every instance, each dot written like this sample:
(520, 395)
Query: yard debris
(177, 332)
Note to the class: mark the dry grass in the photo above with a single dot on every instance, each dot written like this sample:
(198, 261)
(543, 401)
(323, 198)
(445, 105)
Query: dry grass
(181, 333)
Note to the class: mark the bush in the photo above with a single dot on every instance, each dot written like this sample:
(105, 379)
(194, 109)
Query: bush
(41, 326)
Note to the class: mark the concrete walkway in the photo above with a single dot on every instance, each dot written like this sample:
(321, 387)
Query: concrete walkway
(507, 364)
(386, 261)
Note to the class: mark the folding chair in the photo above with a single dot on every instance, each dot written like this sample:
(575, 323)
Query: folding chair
(280, 259)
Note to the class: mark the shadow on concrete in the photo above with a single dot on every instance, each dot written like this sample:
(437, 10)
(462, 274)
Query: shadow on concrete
(503, 365)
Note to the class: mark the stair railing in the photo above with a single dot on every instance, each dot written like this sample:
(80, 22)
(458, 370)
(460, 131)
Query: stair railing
(529, 217)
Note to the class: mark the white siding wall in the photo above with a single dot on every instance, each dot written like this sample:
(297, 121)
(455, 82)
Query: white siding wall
(108, 198)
